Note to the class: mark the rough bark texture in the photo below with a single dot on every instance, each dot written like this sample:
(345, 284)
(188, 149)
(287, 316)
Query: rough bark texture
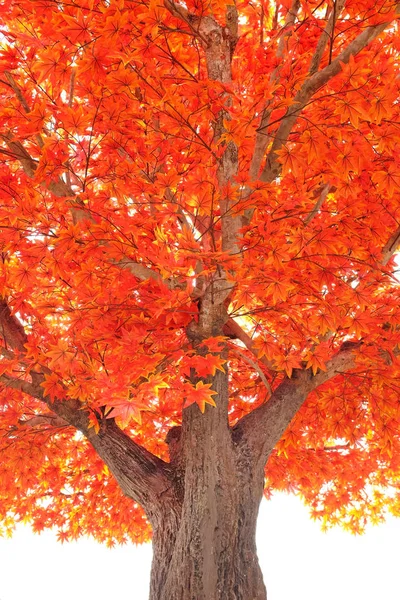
(203, 505)
(208, 551)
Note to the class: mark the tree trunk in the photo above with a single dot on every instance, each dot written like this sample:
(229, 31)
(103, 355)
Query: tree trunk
(205, 549)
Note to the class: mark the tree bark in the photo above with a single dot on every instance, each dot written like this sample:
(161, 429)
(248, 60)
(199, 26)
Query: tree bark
(205, 549)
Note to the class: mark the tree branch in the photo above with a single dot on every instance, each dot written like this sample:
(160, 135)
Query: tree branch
(143, 273)
(177, 10)
(256, 367)
(182, 13)
(323, 192)
(18, 152)
(20, 96)
(17, 90)
(325, 36)
(49, 419)
(141, 475)
(11, 330)
(390, 247)
(62, 190)
(272, 167)
(22, 385)
(232, 329)
(262, 137)
(261, 429)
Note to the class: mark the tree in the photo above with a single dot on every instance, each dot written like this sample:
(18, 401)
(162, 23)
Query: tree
(199, 215)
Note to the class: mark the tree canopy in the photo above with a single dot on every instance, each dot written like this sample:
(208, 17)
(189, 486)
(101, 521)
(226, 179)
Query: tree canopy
(144, 187)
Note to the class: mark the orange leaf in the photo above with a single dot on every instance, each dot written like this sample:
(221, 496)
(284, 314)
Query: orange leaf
(201, 394)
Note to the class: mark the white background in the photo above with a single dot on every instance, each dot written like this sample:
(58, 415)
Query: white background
(298, 560)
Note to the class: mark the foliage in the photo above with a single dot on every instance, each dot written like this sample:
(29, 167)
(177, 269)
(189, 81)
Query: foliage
(116, 223)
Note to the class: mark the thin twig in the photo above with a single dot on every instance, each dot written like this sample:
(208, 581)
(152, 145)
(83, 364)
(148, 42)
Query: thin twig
(323, 194)
(390, 247)
(256, 367)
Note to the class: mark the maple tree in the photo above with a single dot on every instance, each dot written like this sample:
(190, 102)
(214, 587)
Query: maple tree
(199, 217)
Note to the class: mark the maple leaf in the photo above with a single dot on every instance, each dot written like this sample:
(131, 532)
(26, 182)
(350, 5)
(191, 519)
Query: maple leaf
(315, 362)
(287, 363)
(61, 352)
(201, 394)
(94, 422)
(214, 344)
(266, 347)
(203, 365)
(52, 386)
(63, 536)
(279, 289)
(125, 409)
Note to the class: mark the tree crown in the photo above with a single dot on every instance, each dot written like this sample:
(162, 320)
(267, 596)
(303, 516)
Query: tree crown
(143, 189)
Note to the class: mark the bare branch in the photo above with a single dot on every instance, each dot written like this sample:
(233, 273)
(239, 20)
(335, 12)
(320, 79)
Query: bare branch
(322, 192)
(256, 367)
(232, 329)
(11, 330)
(325, 36)
(17, 90)
(71, 88)
(262, 137)
(390, 247)
(272, 167)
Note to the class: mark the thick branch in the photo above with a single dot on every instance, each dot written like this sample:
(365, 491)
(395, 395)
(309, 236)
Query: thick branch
(18, 152)
(262, 429)
(138, 270)
(11, 330)
(143, 273)
(310, 87)
(17, 90)
(177, 10)
(49, 419)
(182, 13)
(21, 385)
(141, 475)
